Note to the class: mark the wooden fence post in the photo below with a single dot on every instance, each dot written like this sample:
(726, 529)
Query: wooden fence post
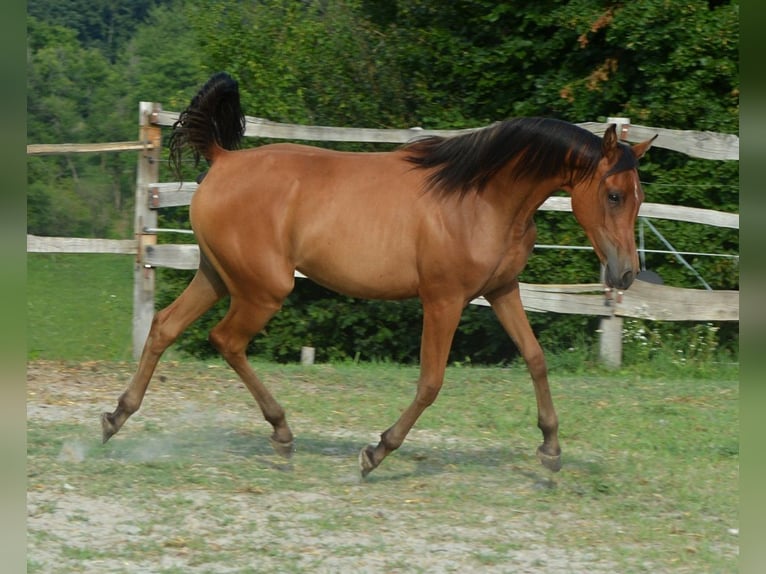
(143, 273)
(610, 341)
(610, 327)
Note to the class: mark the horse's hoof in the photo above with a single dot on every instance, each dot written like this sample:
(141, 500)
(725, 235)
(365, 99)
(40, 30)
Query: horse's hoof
(283, 449)
(366, 466)
(551, 462)
(108, 428)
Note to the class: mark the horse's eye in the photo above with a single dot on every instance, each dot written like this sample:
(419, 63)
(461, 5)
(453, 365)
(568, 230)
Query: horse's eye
(613, 197)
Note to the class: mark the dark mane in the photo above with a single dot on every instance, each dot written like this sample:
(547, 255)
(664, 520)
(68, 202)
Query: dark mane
(544, 147)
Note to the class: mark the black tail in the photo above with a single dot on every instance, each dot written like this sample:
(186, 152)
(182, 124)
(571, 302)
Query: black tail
(214, 117)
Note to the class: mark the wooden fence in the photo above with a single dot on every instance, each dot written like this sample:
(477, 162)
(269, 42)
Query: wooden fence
(642, 300)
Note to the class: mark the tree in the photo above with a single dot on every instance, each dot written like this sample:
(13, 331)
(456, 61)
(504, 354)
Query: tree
(301, 62)
(67, 99)
(105, 25)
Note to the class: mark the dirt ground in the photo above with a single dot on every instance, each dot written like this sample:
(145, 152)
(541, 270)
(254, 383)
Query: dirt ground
(345, 525)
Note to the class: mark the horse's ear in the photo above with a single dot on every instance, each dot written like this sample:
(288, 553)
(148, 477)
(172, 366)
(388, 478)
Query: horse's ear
(609, 143)
(640, 149)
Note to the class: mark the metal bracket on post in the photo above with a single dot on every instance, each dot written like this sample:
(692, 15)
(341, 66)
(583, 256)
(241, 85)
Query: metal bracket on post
(145, 241)
(154, 197)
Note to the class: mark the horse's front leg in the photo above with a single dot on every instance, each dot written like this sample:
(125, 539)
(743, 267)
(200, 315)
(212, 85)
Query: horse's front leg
(510, 311)
(440, 320)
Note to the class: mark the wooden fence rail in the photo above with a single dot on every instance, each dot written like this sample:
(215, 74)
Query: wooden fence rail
(642, 300)
(705, 145)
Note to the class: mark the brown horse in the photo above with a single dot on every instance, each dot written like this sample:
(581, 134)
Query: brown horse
(442, 219)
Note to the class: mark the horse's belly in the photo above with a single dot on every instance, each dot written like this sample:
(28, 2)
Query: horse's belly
(363, 277)
(358, 251)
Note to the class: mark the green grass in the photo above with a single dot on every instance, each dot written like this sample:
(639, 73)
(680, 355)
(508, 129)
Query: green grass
(79, 307)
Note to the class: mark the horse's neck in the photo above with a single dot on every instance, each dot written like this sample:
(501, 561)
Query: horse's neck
(521, 198)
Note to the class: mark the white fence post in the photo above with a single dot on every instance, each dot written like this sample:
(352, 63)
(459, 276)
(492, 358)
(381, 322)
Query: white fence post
(610, 341)
(143, 274)
(307, 355)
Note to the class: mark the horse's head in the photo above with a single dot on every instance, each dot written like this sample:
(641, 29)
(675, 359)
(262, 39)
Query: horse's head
(607, 204)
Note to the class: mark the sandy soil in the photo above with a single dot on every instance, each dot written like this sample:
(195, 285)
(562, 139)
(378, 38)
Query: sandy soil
(72, 531)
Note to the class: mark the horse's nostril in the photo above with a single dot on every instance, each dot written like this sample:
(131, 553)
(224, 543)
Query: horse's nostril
(627, 279)
(617, 281)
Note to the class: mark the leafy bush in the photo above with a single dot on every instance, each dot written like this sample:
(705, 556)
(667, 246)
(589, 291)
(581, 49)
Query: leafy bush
(681, 344)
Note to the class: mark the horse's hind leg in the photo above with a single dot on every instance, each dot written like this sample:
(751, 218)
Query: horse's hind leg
(203, 291)
(231, 337)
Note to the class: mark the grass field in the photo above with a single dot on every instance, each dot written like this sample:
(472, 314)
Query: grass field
(649, 480)
(79, 307)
